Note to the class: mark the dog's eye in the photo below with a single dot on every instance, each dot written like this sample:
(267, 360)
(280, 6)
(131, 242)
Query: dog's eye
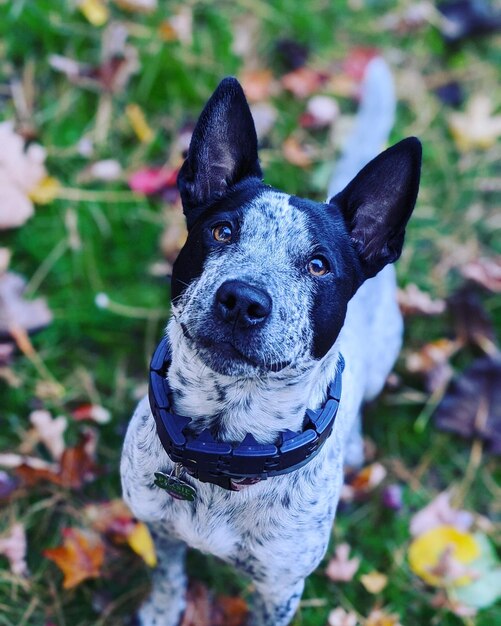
(318, 266)
(222, 232)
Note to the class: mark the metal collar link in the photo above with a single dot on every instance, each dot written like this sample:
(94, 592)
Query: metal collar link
(230, 465)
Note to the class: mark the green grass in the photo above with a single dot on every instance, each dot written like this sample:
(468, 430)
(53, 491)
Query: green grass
(94, 353)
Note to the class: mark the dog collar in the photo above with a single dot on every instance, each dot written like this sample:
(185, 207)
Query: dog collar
(232, 466)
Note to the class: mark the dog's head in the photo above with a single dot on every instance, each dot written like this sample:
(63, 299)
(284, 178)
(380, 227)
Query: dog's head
(264, 278)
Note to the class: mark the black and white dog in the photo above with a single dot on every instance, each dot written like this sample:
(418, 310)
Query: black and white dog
(267, 294)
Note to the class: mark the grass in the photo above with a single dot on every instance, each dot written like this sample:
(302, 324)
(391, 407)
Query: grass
(100, 356)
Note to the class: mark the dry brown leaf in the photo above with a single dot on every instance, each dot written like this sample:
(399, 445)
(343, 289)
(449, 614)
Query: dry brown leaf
(339, 617)
(471, 406)
(374, 582)
(17, 312)
(77, 467)
(174, 236)
(21, 171)
(296, 153)
(341, 568)
(264, 115)
(439, 512)
(379, 617)
(258, 84)
(358, 485)
(119, 61)
(13, 546)
(472, 323)
(304, 81)
(139, 6)
(477, 127)
(485, 272)
(432, 360)
(413, 301)
(80, 556)
(50, 431)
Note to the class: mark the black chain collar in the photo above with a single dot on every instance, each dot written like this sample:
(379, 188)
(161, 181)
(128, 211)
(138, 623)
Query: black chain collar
(232, 466)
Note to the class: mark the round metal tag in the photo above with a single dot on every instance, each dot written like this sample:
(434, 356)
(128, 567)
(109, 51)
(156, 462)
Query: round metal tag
(175, 487)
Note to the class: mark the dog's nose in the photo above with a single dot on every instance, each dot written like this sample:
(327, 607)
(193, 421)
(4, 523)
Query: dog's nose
(242, 303)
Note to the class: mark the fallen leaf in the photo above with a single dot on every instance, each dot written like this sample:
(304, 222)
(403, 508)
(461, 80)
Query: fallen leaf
(5, 255)
(391, 497)
(413, 301)
(450, 93)
(93, 412)
(432, 360)
(50, 431)
(95, 11)
(13, 460)
(233, 611)
(374, 582)
(438, 556)
(471, 406)
(119, 61)
(339, 617)
(46, 191)
(137, 120)
(485, 272)
(80, 556)
(304, 81)
(357, 60)
(153, 180)
(442, 600)
(258, 84)
(179, 27)
(8, 484)
(139, 539)
(291, 53)
(13, 546)
(467, 18)
(140, 6)
(76, 467)
(472, 323)
(477, 127)
(321, 111)
(15, 311)
(107, 170)
(21, 171)
(341, 568)
(359, 484)
(378, 617)
(409, 20)
(439, 512)
(296, 153)
(264, 115)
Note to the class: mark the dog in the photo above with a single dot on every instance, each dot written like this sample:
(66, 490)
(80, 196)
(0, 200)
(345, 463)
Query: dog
(239, 449)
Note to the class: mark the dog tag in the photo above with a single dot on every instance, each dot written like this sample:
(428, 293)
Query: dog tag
(174, 486)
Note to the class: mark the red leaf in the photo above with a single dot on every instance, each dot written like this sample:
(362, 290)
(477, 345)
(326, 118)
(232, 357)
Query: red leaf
(153, 180)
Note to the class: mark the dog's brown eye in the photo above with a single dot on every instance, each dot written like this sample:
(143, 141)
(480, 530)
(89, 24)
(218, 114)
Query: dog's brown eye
(222, 233)
(318, 266)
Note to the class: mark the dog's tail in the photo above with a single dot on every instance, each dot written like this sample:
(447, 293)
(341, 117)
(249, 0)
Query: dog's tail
(373, 125)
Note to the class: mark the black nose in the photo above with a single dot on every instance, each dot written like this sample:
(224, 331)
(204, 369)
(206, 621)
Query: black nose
(242, 303)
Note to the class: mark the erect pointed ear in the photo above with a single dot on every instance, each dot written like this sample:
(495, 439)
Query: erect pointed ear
(378, 202)
(223, 149)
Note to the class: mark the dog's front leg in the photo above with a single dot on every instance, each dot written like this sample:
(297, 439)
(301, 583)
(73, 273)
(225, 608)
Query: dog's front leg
(275, 603)
(167, 600)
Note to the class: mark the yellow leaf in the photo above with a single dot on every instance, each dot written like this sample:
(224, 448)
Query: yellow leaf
(95, 11)
(440, 555)
(46, 190)
(141, 542)
(139, 124)
(374, 582)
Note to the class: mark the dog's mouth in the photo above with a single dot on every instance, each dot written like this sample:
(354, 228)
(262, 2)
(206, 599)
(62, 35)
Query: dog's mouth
(224, 357)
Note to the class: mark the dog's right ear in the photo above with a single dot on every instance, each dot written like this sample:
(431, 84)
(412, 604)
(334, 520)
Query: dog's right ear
(222, 152)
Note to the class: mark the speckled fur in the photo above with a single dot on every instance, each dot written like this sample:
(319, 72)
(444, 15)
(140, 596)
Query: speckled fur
(276, 531)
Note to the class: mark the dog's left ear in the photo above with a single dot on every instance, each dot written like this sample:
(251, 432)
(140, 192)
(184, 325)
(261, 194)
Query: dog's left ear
(378, 203)
(223, 150)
